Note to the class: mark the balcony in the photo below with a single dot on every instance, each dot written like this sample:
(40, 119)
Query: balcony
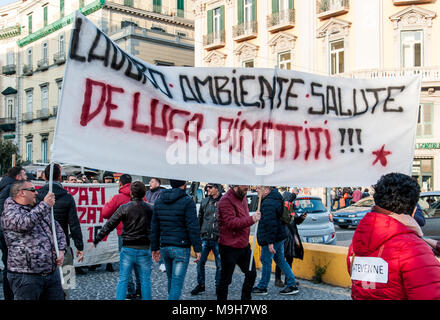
(43, 114)
(59, 58)
(406, 2)
(429, 74)
(7, 124)
(28, 116)
(281, 20)
(27, 70)
(43, 64)
(245, 31)
(331, 8)
(54, 111)
(9, 69)
(214, 40)
(10, 32)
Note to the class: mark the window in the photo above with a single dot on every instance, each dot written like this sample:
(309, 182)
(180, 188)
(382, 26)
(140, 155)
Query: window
(181, 34)
(45, 97)
(158, 29)
(29, 101)
(30, 23)
(10, 57)
(61, 8)
(284, 60)
(412, 49)
(157, 6)
(29, 150)
(217, 18)
(181, 8)
(9, 108)
(337, 57)
(216, 25)
(60, 87)
(61, 44)
(44, 150)
(128, 3)
(45, 15)
(29, 56)
(45, 52)
(248, 64)
(425, 120)
(81, 3)
(247, 10)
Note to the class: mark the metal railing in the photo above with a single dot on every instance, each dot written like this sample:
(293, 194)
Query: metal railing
(9, 69)
(214, 38)
(43, 64)
(59, 57)
(331, 5)
(27, 69)
(427, 73)
(245, 28)
(28, 116)
(43, 113)
(281, 17)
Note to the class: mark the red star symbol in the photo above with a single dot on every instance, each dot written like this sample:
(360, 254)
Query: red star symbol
(381, 155)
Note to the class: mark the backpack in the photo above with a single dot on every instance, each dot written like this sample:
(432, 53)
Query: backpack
(285, 216)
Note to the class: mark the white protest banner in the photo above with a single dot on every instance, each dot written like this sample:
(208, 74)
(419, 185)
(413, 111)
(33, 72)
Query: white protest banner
(89, 200)
(229, 125)
(370, 269)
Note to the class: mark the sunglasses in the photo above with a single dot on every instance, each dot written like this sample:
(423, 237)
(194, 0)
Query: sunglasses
(29, 189)
(209, 187)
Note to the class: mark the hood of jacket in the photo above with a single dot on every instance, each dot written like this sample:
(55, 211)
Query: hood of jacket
(57, 190)
(274, 195)
(5, 182)
(172, 195)
(125, 189)
(376, 228)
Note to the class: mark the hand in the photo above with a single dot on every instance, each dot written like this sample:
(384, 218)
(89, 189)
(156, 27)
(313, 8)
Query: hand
(304, 216)
(60, 258)
(49, 199)
(257, 216)
(271, 249)
(81, 255)
(198, 255)
(156, 255)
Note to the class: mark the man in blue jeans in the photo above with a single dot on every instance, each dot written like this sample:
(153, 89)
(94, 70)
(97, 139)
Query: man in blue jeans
(209, 234)
(174, 229)
(136, 218)
(271, 235)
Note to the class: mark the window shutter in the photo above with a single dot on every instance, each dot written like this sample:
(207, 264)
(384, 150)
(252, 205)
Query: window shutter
(240, 7)
(222, 18)
(210, 17)
(45, 15)
(275, 6)
(291, 4)
(254, 10)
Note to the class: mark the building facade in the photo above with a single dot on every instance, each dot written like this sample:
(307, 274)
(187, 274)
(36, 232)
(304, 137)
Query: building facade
(348, 38)
(35, 49)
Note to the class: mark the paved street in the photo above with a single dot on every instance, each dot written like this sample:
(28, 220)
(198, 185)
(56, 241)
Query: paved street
(101, 285)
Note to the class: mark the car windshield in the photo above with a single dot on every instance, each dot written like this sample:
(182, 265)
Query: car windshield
(309, 205)
(366, 202)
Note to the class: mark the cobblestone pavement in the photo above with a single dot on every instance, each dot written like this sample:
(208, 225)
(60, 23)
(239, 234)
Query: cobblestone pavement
(101, 285)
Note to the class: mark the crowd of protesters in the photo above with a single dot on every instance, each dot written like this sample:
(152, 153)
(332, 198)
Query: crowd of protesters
(162, 225)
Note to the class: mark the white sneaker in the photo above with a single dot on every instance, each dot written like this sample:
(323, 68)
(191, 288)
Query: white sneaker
(162, 267)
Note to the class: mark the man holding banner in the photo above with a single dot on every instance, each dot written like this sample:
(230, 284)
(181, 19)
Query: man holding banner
(234, 224)
(32, 262)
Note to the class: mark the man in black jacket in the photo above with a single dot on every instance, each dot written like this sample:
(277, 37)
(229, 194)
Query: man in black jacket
(135, 252)
(209, 234)
(174, 229)
(65, 214)
(14, 174)
(271, 235)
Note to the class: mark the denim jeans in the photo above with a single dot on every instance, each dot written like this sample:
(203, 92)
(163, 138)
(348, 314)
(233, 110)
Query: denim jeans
(278, 257)
(176, 261)
(137, 259)
(36, 287)
(207, 246)
(132, 288)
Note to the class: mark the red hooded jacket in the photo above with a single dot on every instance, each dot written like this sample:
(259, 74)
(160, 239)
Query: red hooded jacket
(413, 270)
(234, 221)
(118, 200)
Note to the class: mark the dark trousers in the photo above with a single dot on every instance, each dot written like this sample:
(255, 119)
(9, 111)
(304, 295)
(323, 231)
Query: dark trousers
(36, 287)
(230, 257)
(289, 260)
(7, 292)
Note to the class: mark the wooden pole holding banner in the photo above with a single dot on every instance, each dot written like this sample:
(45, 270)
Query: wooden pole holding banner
(255, 232)
(52, 219)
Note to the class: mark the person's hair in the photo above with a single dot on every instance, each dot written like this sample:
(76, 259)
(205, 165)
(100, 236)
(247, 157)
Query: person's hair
(16, 186)
(366, 190)
(56, 172)
(157, 179)
(125, 178)
(397, 192)
(138, 189)
(14, 171)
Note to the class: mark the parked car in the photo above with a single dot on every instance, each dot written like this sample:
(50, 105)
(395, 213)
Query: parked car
(352, 215)
(430, 204)
(318, 226)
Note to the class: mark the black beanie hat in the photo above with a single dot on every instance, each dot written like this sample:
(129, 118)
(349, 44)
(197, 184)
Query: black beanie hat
(177, 183)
